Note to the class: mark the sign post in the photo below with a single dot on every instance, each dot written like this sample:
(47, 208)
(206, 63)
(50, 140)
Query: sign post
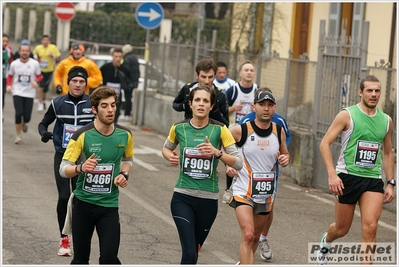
(65, 12)
(149, 16)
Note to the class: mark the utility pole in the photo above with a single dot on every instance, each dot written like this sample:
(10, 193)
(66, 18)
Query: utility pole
(200, 27)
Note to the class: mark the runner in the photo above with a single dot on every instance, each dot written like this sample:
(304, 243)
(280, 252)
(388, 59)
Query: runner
(194, 203)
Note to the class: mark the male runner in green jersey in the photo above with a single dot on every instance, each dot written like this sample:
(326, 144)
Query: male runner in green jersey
(108, 149)
(366, 134)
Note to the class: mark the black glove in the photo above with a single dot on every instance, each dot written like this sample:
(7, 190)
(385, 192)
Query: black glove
(47, 136)
(58, 90)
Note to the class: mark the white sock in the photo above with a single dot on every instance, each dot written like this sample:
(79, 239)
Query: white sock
(326, 243)
(262, 237)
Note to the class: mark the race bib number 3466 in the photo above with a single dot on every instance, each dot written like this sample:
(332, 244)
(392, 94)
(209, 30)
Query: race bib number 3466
(100, 179)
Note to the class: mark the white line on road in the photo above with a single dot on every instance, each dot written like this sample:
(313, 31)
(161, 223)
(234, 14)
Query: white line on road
(144, 165)
(329, 202)
(148, 150)
(220, 255)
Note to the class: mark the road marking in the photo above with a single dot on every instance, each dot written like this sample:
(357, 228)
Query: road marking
(220, 255)
(330, 202)
(145, 150)
(144, 165)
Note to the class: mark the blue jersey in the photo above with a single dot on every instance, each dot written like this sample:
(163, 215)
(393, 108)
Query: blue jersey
(277, 119)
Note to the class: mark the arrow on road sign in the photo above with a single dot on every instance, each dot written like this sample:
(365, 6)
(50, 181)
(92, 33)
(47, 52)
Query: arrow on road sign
(149, 15)
(152, 14)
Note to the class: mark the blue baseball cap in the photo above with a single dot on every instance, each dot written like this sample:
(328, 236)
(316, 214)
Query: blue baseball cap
(24, 42)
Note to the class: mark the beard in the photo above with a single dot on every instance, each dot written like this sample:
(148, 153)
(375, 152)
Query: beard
(371, 106)
(106, 121)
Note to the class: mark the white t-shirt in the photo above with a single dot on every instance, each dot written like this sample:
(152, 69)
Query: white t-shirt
(23, 74)
(224, 85)
(245, 99)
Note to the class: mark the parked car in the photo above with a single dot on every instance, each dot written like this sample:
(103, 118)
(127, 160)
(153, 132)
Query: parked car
(154, 74)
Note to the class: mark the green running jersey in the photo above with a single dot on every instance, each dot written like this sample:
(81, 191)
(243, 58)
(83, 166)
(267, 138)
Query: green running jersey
(360, 153)
(198, 171)
(98, 187)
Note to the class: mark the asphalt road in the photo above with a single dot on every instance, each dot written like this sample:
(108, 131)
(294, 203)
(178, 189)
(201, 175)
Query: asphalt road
(149, 237)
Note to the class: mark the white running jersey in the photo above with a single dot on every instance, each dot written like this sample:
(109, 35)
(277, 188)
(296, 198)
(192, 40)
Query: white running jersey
(260, 156)
(224, 85)
(23, 74)
(246, 99)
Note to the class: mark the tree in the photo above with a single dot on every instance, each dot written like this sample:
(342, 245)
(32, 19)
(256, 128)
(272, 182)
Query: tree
(216, 11)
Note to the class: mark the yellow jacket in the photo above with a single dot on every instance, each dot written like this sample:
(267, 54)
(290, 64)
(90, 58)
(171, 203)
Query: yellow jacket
(61, 73)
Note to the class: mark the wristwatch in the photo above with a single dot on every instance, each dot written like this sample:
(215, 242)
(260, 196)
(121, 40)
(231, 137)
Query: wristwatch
(220, 154)
(126, 174)
(391, 182)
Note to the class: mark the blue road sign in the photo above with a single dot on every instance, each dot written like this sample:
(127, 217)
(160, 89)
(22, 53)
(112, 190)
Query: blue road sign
(149, 15)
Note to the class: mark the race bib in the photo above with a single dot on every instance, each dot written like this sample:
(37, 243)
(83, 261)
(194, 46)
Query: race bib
(24, 79)
(43, 64)
(246, 108)
(195, 165)
(115, 86)
(263, 184)
(69, 130)
(366, 154)
(99, 180)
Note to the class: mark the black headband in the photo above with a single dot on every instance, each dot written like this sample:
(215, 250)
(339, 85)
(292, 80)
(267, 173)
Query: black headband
(73, 74)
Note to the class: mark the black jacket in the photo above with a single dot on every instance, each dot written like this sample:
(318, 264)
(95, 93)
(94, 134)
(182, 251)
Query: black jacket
(219, 112)
(131, 62)
(111, 74)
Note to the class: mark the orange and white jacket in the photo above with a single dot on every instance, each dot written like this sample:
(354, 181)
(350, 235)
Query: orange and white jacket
(61, 73)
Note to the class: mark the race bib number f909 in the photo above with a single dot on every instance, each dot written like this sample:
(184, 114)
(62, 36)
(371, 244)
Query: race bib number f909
(263, 184)
(195, 165)
(100, 179)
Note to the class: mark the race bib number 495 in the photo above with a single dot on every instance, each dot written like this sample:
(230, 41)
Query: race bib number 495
(263, 184)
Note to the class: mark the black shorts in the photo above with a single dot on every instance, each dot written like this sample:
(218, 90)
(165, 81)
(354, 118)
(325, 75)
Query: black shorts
(356, 185)
(45, 82)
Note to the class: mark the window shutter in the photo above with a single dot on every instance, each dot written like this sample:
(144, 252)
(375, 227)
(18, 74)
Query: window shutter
(334, 21)
(357, 21)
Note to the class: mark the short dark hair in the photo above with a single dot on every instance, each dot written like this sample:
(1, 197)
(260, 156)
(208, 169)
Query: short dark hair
(246, 62)
(46, 36)
(368, 78)
(117, 50)
(205, 88)
(221, 64)
(6, 35)
(206, 65)
(101, 92)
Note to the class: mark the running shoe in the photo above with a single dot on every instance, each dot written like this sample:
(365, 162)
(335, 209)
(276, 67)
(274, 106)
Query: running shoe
(323, 252)
(64, 249)
(40, 106)
(24, 127)
(227, 196)
(265, 251)
(18, 140)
